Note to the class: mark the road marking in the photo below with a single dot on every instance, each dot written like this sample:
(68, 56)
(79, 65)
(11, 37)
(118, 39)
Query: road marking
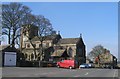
(77, 76)
(42, 74)
(72, 70)
(86, 73)
(56, 72)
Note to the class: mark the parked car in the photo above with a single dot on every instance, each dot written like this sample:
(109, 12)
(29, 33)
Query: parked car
(66, 64)
(107, 66)
(86, 65)
(91, 65)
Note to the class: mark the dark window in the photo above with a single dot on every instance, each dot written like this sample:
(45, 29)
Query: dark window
(24, 31)
(28, 45)
(25, 55)
(80, 52)
(47, 44)
(34, 45)
(61, 47)
(70, 51)
(39, 45)
(32, 56)
(44, 44)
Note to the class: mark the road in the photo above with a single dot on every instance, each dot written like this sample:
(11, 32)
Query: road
(58, 72)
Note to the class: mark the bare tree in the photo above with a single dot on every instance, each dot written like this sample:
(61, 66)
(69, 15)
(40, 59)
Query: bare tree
(12, 16)
(0, 24)
(44, 29)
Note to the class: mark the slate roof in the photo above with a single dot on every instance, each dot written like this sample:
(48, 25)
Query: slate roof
(8, 48)
(63, 40)
(58, 52)
(3, 46)
(68, 41)
(49, 37)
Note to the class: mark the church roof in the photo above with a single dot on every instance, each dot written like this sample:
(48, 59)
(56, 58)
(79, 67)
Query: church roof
(68, 41)
(49, 37)
(60, 53)
(61, 41)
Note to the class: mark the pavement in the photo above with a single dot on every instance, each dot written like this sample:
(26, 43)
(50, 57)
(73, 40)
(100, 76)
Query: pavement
(57, 73)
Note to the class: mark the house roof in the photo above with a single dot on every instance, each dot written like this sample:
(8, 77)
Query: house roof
(3, 46)
(60, 53)
(8, 48)
(68, 41)
(65, 54)
(49, 37)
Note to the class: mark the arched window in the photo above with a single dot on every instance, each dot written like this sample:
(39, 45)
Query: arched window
(34, 45)
(32, 56)
(28, 45)
(25, 55)
(70, 52)
(80, 53)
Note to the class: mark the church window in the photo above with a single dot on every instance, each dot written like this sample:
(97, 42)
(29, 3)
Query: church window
(25, 33)
(39, 45)
(61, 47)
(44, 44)
(79, 52)
(70, 52)
(47, 44)
(25, 55)
(28, 45)
(34, 45)
(32, 56)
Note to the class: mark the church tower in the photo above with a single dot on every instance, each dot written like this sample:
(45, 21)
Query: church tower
(27, 32)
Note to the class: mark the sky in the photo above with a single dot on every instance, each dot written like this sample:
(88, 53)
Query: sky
(96, 21)
(60, 0)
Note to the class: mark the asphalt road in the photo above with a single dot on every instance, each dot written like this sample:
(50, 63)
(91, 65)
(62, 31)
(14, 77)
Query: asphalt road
(58, 72)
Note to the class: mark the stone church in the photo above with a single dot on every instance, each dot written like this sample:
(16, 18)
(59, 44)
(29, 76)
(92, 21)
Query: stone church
(54, 47)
